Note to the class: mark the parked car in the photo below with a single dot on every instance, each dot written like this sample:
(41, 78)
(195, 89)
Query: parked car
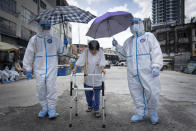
(116, 63)
(107, 66)
(122, 63)
(167, 63)
(190, 68)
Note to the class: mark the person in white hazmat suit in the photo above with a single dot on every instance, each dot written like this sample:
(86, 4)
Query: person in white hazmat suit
(41, 56)
(144, 61)
(4, 76)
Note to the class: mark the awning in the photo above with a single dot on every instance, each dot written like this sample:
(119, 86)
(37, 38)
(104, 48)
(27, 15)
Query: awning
(7, 47)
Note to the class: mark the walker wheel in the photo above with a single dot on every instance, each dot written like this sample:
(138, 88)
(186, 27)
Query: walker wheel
(70, 125)
(103, 126)
(76, 114)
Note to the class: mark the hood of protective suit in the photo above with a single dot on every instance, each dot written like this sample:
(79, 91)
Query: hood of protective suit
(140, 29)
(43, 32)
(44, 23)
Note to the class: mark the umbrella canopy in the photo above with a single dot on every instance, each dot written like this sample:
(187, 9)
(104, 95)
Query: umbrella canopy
(59, 14)
(4, 47)
(109, 24)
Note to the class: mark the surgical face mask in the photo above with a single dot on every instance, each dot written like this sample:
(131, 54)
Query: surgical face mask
(46, 33)
(135, 28)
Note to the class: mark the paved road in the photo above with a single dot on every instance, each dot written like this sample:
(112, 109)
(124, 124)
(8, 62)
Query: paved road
(18, 106)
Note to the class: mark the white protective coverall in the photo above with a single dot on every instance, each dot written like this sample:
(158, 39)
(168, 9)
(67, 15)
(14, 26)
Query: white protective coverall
(95, 62)
(4, 76)
(142, 53)
(41, 56)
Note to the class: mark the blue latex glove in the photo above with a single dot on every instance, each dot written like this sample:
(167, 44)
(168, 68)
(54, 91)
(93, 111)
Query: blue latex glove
(155, 72)
(114, 42)
(29, 75)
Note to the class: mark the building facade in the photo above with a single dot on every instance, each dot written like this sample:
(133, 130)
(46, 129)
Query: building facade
(15, 16)
(166, 12)
(147, 24)
(16, 27)
(178, 42)
(177, 39)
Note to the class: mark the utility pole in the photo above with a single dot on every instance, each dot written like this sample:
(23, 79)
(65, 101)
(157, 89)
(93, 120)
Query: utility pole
(38, 7)
(78, 34)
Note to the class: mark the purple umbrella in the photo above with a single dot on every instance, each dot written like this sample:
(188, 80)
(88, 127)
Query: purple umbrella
(109, 24)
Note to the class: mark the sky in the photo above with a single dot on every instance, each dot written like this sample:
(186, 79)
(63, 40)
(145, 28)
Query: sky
(138, 8)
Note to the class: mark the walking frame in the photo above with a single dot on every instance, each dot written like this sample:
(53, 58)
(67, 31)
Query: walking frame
(74, 90)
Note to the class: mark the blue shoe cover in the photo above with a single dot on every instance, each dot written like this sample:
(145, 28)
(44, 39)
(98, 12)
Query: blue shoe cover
(137, 118)
(42, 113)
(154, 118)
(52, 114)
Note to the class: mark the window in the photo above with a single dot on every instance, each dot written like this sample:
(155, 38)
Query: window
(58, 3)
(163, 49)
(35, 1)
(171, 35)
(7, 26)
(8, 6)
(26, 15)
(61, 3)
(42, 4)
(161, 36)
(182, 34)
(195, 31)
(26, 33)
(171, 49)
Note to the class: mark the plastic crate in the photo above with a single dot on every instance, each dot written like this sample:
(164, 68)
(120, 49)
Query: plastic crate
(63, 70)
(79, 70)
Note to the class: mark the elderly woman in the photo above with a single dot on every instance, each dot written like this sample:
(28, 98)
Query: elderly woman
(93, 61)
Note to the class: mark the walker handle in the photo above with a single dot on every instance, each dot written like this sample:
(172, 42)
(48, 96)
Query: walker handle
(103, 76)
(72, 74)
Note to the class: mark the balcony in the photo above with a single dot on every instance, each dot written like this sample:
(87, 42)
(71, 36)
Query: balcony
(7, 27)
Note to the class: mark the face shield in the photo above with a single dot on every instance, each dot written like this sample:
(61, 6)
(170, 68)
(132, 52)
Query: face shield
(45, 30)
(135, 28)
(45, 24)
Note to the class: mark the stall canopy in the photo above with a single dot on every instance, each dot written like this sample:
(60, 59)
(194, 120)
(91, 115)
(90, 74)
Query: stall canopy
(4, 47)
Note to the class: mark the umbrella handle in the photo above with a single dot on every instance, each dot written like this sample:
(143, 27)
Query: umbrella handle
(63, 25)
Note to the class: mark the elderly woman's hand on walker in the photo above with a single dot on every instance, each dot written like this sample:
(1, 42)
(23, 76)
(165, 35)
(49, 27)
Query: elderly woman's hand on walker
(103, 70)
